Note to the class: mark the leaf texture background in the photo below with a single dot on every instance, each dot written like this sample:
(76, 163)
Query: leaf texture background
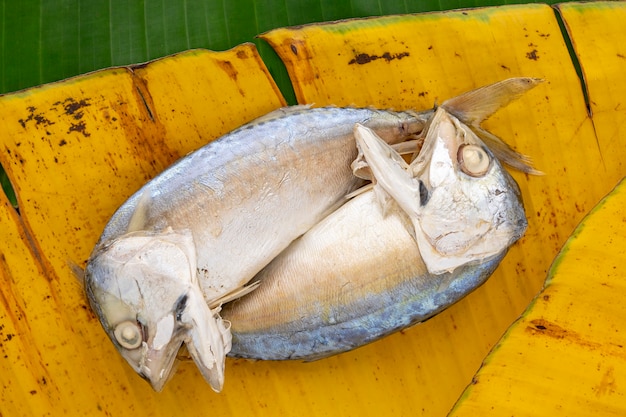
(50, 40)
(75, 150)
(567, 349)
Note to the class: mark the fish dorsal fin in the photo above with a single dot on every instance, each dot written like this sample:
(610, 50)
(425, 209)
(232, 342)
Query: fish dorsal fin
(473, 107)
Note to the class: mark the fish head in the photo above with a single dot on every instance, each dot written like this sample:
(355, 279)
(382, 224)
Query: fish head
(473, 208)
(144, 290)
(463, 204)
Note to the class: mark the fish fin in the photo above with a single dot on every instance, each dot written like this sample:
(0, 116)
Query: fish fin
(384, 199)
(236, 293)
(477, 105)
(359, 191)
(77, 271)
(138, 219)
(390, 171)
(360, 167)
(409, 147)
(208, 340)
(504, 152)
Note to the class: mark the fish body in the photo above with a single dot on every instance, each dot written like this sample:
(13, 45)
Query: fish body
(431, 233)
(199, 231)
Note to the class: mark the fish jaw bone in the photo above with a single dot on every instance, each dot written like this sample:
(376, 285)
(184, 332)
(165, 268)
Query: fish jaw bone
(208, 339)
(143, 287)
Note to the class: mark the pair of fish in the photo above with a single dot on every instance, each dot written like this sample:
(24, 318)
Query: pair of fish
(276, 191)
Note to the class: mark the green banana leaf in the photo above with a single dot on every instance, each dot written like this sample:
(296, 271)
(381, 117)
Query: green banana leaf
(50, 40)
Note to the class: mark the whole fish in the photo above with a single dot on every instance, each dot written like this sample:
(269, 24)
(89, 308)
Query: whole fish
(428, 235)
(199, 231)
(194, 236)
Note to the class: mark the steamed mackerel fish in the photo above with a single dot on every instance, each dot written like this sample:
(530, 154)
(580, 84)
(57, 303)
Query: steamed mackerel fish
(197, 233)
(194, 236)
(359, 274)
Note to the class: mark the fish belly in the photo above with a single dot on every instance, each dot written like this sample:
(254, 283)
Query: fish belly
(352, 279)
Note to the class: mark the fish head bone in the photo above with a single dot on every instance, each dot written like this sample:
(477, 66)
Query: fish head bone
(144, 289)
(463, 205)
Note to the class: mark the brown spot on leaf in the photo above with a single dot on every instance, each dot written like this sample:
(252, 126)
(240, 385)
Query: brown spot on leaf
(362, 59)
(79, 127)
(73, 107)
(38, 118)
(229, 69)
(532, 55)
(546, 328)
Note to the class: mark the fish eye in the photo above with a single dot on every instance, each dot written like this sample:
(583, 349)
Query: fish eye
(128, 334)
(473, 160)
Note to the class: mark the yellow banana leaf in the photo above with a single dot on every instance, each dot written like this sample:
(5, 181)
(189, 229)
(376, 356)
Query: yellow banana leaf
(77, 149)
(566, 352)
(567, 355)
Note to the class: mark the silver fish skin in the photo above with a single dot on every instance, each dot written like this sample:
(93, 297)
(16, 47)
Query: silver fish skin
(198, 232)
(428, 234)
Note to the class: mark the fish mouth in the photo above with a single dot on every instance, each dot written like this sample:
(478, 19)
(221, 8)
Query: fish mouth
(206, 336)
(158, 366)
